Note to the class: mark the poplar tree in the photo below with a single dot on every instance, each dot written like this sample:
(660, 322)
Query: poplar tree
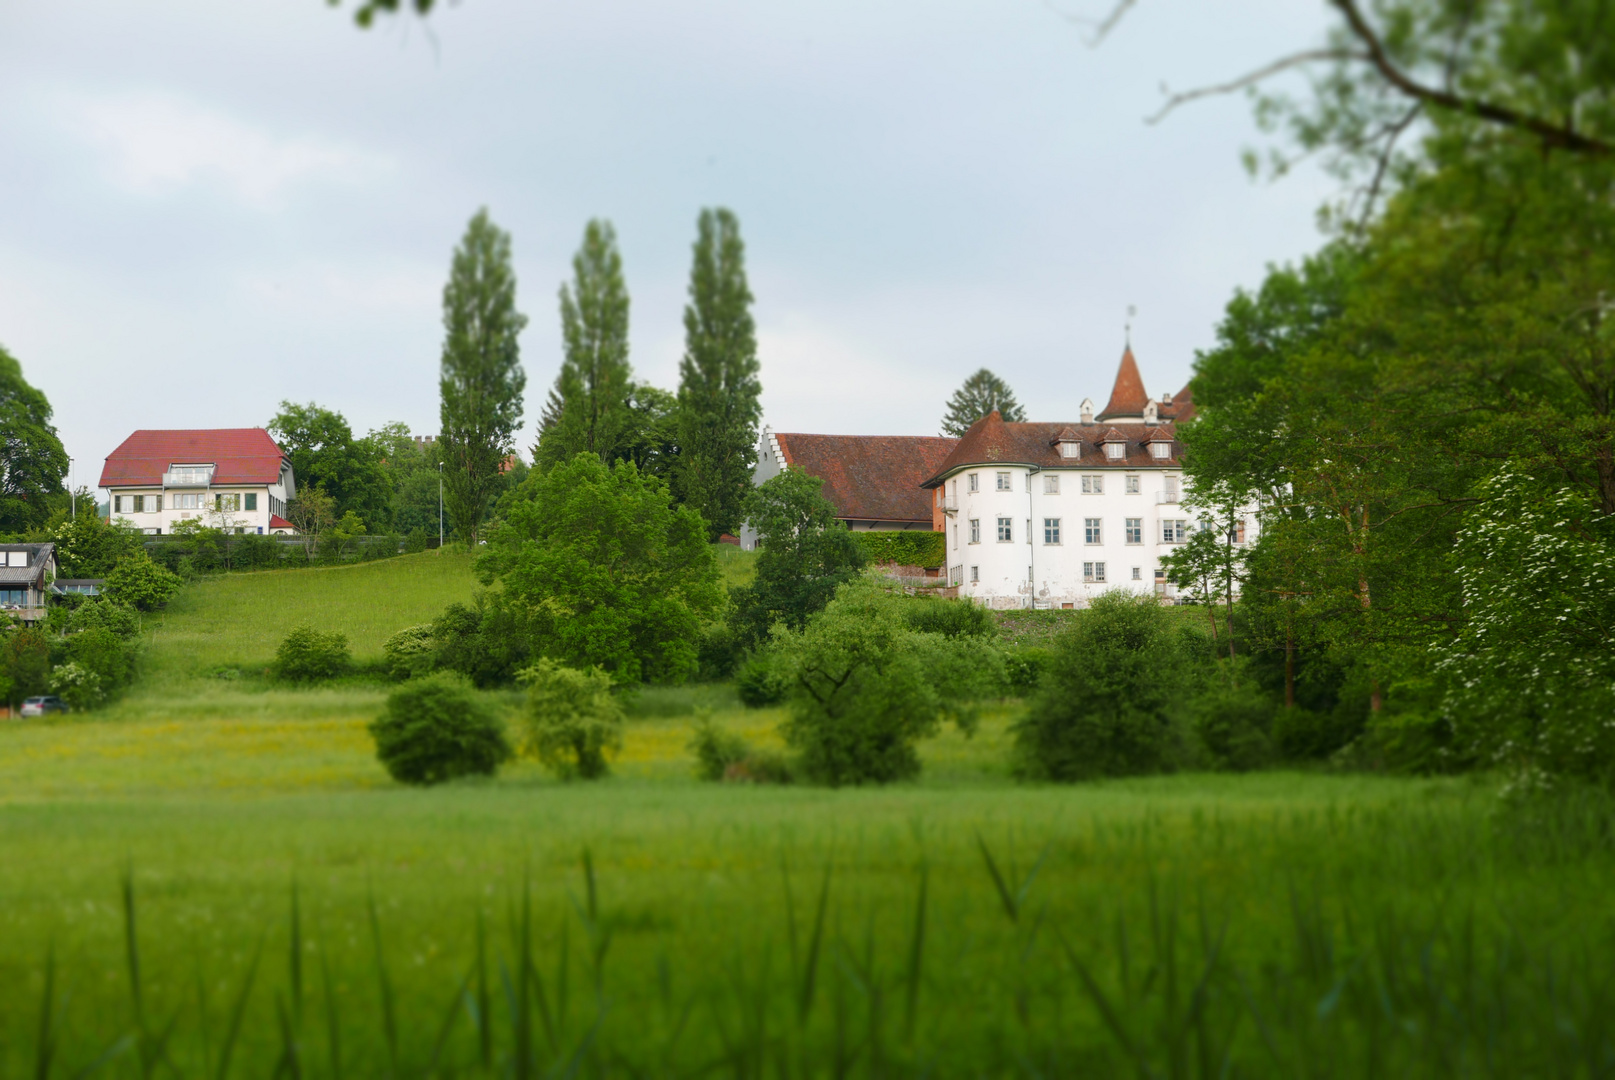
(718, 385)
(589, 408)
(482, 378)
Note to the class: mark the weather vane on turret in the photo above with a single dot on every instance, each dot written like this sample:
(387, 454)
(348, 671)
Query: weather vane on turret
(1127, 332)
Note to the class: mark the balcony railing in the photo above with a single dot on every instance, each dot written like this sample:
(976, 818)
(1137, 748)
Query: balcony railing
(1167, 497)
(188, 478)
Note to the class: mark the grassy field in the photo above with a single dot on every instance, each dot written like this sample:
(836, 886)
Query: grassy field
(1281, 924)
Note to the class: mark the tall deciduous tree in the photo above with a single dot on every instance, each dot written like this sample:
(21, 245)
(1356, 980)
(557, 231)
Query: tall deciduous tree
(33, 463)
(718, 385)
(482, 378)
(981, 394)
(324, 452)
(593, 387)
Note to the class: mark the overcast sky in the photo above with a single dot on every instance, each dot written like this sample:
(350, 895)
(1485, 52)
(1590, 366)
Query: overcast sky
(206, 208)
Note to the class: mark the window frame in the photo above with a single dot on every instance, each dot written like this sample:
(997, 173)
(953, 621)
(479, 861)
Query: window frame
(974, 483)
(1133, 485)
(1051, 483)
(1093, 531)
(1006, 530)
(1093, 483)
(1133, 530)
(1051, 532)
(975, 530)
(1002, 482)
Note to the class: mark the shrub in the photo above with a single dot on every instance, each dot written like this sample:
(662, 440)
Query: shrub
(77, 685)
(758, 683)
(1104, 706)
(902, 547)
(573, 722)
(141, 583)
(759, 767)
(484, 643)
(105, 655)
(416, 542)
(25, 661)
(1233, 726)
(411, 651)
(1023, 670)
(721, 649)
(716, 749)
(118, 618)
(307, 654)
(864, 689)
(950, 618)
(438, 728)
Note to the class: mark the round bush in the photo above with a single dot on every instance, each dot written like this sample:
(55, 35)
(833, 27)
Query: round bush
(411, 651)
(573, 722)
(437, 728)
(306, 654)
(1233, 726)
(757, 684)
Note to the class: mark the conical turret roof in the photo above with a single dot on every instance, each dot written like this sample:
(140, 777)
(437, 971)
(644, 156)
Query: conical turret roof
(1128, 397)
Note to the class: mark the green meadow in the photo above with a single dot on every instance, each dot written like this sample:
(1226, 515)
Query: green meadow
(214, 878)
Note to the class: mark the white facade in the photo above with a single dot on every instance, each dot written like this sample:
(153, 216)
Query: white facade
(1029, 536)
(187, 492)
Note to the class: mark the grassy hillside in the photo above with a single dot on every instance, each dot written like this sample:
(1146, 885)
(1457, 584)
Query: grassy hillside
(239, 619)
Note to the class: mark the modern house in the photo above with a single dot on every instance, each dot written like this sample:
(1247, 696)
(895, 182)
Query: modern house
(235, 479)
(1053, 514)
(27, 574)
(873, 480)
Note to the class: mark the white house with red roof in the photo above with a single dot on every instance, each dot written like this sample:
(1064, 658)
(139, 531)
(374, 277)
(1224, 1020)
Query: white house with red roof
(235, 479)
(1053, 514)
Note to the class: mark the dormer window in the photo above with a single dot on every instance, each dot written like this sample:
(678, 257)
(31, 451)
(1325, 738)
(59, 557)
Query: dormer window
(1115, 451)
(1160, 449)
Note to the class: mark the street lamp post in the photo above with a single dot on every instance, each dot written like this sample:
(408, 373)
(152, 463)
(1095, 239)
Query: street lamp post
(440, 506)
(72, 495)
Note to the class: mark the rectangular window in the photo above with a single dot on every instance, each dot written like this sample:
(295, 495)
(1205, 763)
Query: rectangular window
(1090, 531)
(1160, 449)
(1051, 530)
(1135, 530)
(227, 503)
(955, 535)
(1132, 485)
(1138, 573)
(1093, 485)
(975, 530)
(1003, 481)
(1093, 571)
(1174, 531)
(187, 501)
(975, 575)
(975, 482)
(1115, 451)
(1171, 489)
(1006, 531)
(1238, 533)
(1051, 483)
(252, 500)
(1070, 449)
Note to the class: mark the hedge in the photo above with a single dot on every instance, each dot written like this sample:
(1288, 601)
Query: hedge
(903, 548)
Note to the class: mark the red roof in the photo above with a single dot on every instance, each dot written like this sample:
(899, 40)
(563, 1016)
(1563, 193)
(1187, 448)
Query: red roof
(991, 441)
(278, 522)
(238, 455)
(871, 477)
(1127, 397)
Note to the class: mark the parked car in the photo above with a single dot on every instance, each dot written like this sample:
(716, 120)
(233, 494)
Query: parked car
(43, 706)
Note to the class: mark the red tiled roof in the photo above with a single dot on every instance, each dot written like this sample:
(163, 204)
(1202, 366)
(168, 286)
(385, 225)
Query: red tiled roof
(239, 456)
(871, 477)
(991, 441)
(1127, 397)
(1181, 409)
(278, 522)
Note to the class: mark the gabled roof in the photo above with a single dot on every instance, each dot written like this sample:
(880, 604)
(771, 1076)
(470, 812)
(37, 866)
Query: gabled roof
(990, 441)
(239, 456)
(870, 477)
(1067, 433)
(1127, 397)
(40, 558)
(1158, 434)
(278, 522)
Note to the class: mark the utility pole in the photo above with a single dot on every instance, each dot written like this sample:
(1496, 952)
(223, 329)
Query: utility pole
(440, 506)
(72, 493)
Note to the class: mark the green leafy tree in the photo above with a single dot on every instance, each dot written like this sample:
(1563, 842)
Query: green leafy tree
(482, 379)
(33, 463)
(865, 688)
(1106, 703)
(89, 547)
(594, 386)
(653, 442)
(346, 531)
(325, 454)
(312, 513)
(25, 662)
(573, 723)
(719, 391)
(977, 397)
(597, 568)
(140, 583)
(806, 554)
(436, 729)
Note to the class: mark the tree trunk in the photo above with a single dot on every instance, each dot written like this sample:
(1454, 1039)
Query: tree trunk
(1289, 666)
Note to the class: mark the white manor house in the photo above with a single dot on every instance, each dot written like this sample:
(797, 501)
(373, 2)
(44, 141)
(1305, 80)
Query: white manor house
(235, 479)
(1035, 515)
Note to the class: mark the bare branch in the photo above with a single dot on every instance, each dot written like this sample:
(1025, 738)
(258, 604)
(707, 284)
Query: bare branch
(1552, 135)
(1252, 78)
(1101, 27)
(1393, 133)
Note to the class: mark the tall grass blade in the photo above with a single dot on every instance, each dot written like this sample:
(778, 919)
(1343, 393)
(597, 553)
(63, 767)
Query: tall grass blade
(1011, 908)
(447, 1025)
(384, 983)
(1109, 1014)
(238, 1011)
(333, 1026)
(45, 1048)
(810, 972)
(291, 1063)
(132, 949)
(116, 1048)
(916, 957)
(295, 958)
(484, 999)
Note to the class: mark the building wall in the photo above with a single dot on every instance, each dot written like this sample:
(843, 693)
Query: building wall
(1028, 570)
(271, 500)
